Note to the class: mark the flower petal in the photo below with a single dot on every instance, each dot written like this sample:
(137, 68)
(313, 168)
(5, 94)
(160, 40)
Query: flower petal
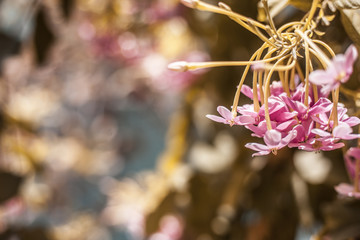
(257, 147)
(286, 140)
(321, 77)
(320, 132)
(352, 121)
(272, 138)
(224, 112)
(342, 130)
(216, 118)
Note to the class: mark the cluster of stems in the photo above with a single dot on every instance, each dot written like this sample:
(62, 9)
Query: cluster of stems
(279, 54)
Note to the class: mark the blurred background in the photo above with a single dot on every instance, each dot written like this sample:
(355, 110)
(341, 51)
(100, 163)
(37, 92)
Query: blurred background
(100, 141)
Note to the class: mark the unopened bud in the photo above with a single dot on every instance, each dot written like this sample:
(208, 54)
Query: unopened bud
(178, 66)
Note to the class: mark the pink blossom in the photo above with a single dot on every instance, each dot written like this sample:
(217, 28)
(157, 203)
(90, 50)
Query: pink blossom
(323, 118)
(260, 129)
(337, 72)
(342, 131)
(226, 117)
(352, 155)
(347, 190)
(273, 140)
(318, 144)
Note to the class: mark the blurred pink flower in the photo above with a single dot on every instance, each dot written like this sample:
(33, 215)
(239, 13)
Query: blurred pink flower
(351, 156)
(347, 190)
(337, 72)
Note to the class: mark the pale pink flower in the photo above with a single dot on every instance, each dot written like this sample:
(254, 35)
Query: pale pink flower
(347, 190)
(341, 131)
(352, 155)
(226, 117)
(273, 140)
(337, 72)
(318, 144)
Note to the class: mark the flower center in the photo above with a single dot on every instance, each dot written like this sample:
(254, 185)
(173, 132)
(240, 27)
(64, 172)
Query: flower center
(231, 122)
(341, 75)
(274, 151)
(317, 144)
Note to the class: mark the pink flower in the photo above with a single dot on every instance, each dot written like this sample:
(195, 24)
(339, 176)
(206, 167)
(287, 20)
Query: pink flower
(352, 155)
(273, 140)
(347, 190)
(248, 115)
(323, 118)
(323, 105)
(337, 72)
(260, 129)
(226, 117)
(342, 131)
(318, 144)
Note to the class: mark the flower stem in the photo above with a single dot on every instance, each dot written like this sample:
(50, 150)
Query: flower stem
(313, 46)
(272, 25)
(267, 93)
(307, 71)
(327, 47)
(238, 90)
(300, 73)
(292, 78)
(311, 14)
(261, 88)
(211, 8)
(286, 79)
(334, 115)
(183, 66)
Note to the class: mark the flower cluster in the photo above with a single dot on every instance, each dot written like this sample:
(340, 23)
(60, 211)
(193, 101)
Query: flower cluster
(292, 123)
(295, 110)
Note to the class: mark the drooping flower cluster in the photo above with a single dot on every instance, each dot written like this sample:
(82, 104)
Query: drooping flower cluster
(285, 110)
(293, 124)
